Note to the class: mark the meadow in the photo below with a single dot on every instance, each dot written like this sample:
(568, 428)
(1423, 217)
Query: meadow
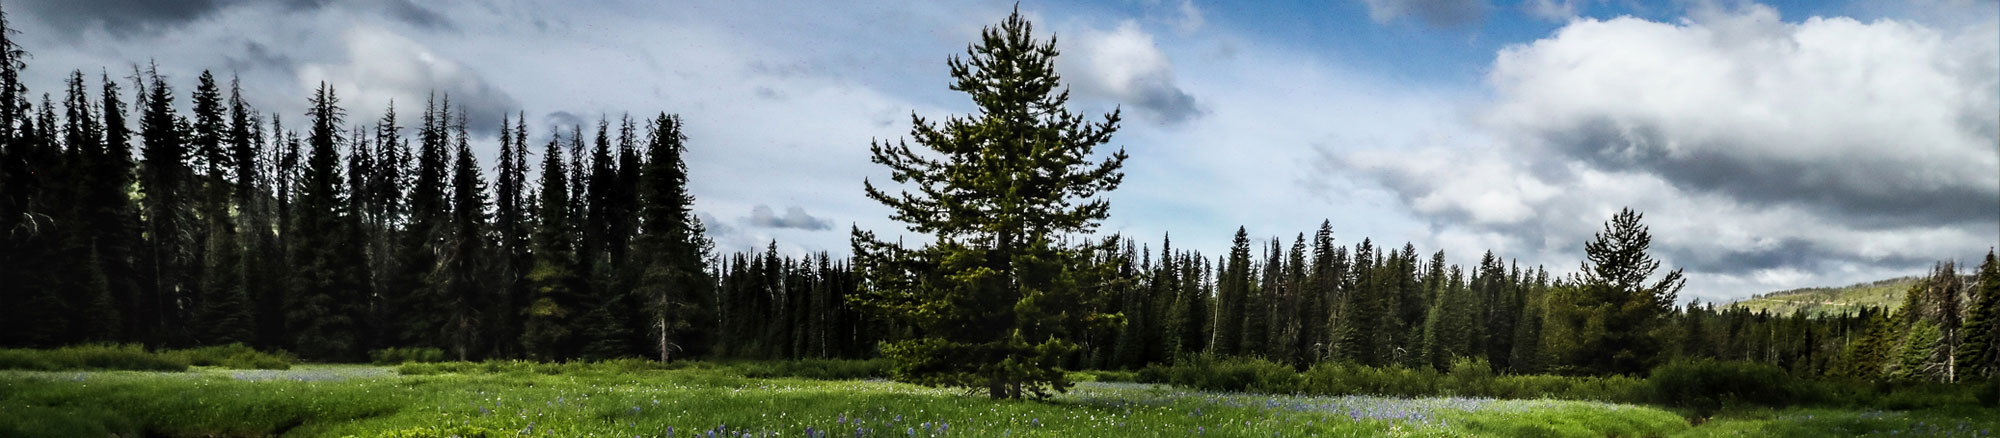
(629, 398)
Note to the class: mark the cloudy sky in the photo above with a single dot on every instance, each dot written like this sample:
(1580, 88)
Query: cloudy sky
(1770, 145)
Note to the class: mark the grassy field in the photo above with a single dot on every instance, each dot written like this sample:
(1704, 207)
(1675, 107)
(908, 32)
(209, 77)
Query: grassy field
(362, 401)
(1824, 300)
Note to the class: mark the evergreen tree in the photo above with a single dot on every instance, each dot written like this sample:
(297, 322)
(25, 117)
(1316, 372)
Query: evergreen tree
(546, 325)
(164, 179)
(464, 267)
(1979, 355)
(672, 247)
(1233, 296)
(512, 228)
(1611, 316)
(1363, 314)
(325, 308)
(429, 217)
(221, 312)
(996, 299)
(99, 241)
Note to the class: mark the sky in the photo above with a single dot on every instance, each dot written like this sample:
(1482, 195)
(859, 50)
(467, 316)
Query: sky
(1771, 145)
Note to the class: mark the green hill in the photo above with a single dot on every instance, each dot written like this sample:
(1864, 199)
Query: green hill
(1824, 300)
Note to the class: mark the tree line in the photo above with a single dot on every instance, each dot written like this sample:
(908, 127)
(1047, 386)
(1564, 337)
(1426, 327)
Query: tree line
(331, 238)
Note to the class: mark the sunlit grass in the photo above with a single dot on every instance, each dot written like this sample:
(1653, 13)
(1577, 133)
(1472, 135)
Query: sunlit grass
(363, 401)
(368, 401)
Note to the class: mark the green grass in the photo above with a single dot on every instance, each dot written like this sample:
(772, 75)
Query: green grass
(1887, 294)
(622, 400)
(1956, 421)
(136, 358)
(338, 401)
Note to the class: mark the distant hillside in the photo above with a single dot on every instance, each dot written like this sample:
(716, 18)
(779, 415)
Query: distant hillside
(1824, 300)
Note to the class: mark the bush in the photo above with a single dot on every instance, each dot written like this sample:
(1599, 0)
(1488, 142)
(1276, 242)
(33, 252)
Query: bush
(820, 369)
(90, 357)
(1468, 377)
(1233, 374)
(1106, 376)
(233, 356)
(397, 356)
(1708, 385)
(443, 432)
(1988, 394)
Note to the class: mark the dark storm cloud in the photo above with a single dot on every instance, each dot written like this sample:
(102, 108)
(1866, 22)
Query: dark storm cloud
(1436, 13)
(1165, 102)
(129, 18)
(121, 17)
(1875, 193)
(795, 217)
(257, 56)
(408, 11)
(562, 120)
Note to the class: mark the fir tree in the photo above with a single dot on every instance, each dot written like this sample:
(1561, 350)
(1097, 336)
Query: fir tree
(546, 324)
(464, 266)
(325, 308)
(672, 247)
(511, 224)
(1979, 354)
(995, 301)
(1612, 313)
(165, 179)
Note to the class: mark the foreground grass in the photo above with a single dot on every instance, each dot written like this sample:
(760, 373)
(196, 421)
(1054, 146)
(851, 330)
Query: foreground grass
(338, 401)
(1954, 421)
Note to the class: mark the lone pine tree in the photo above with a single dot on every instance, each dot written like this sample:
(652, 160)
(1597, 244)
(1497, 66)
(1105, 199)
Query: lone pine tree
(996, 299)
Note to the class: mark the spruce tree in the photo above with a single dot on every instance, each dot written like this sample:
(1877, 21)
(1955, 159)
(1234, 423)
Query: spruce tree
(325, 308)
(671, 250)
(165, 179)
(1612, 312)
(464, 267)
(995, 301)
(1979, 354)
(222, 313)
(546, 327)
(512, 228)
(1233, 296)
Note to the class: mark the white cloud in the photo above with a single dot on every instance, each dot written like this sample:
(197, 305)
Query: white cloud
(1125, 65)
(382, 66)
(1765, 154)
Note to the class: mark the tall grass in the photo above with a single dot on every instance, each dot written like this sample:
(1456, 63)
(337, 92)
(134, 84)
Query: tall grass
(90, 357)
(818, 369)
(136, 358)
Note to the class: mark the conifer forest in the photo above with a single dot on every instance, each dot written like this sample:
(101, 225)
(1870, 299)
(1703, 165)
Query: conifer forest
(149, 215)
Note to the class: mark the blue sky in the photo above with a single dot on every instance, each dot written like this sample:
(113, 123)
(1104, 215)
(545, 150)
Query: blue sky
(1771, 145)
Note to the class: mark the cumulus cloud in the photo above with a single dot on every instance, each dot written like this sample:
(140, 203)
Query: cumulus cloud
(1764, 153)
(382, 66)
(795, 217)
(1872, 124)
(1436, 13)
(1125, 65)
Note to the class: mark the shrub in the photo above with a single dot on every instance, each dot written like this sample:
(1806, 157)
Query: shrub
(90, 357)
(443, 432)
(821, 369)
(233, 356)
(1233, 374)
(1709, 385)
(1988, 394)
(1111, 376)
(1469, 377)
(395, 356)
